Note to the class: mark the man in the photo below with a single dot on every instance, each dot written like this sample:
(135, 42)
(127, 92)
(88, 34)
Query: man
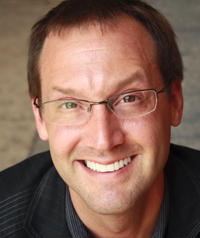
(105, 82)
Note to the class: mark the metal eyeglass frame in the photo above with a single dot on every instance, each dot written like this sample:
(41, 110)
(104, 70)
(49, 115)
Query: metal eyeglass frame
(106, 101)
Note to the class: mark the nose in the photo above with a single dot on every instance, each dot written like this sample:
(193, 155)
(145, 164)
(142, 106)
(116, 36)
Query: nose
(103, 131)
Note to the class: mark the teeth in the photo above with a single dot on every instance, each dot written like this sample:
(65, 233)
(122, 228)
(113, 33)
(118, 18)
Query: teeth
(97, 167)
(108, 168)
(94, 166)
(116, 165)
(102, 168)
(125, 162)
(121, 163)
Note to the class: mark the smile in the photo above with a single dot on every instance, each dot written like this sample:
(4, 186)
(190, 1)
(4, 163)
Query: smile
(107, 168)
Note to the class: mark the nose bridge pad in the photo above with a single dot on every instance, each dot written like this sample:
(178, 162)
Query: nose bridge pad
(110, 107)
(89, 109)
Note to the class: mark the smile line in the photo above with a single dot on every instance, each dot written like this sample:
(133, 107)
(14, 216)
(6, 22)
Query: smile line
(107, 168)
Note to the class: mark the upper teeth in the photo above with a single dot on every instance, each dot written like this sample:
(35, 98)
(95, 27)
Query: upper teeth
(107, 168)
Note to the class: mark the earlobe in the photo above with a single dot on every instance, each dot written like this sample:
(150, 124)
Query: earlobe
(176, 103)
(40, 124)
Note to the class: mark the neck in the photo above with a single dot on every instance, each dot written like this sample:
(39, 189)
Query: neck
(138, 222)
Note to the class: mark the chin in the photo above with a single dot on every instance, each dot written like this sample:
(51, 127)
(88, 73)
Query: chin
(114, 202)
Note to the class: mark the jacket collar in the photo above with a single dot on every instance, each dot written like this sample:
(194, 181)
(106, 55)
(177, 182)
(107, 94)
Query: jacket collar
(47, 216)
(184, 199)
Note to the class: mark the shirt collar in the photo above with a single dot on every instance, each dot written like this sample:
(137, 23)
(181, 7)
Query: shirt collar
(75, 225)
(160, 227)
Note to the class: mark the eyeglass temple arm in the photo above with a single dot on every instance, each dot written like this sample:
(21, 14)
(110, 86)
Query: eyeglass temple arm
(162, 90)
(34, 103)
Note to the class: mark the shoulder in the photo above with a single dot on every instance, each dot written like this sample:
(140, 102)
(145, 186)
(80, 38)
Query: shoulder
(18, 185)
(24, 175)
(185, 152)
(187, 156)
(182, 169)
(183, 185)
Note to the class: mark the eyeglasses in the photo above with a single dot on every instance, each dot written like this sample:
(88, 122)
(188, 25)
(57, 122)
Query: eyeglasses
(125, 105)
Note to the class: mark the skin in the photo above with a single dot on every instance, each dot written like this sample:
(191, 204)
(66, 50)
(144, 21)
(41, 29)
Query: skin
(91, 65)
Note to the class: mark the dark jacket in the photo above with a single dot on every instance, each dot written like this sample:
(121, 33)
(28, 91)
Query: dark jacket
(32, 197)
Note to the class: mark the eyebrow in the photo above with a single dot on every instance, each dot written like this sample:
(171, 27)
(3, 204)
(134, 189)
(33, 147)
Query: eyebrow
(64, 90)
(129, 80)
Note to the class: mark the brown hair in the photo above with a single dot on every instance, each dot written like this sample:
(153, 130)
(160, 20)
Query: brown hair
(106, 12)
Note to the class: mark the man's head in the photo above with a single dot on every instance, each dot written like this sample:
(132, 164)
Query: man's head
(94, 60)
(74, 13)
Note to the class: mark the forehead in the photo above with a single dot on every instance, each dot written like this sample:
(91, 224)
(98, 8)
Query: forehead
(126, 30)
(96, 53)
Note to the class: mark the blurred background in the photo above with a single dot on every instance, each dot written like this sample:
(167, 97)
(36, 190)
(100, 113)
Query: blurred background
(18, 136)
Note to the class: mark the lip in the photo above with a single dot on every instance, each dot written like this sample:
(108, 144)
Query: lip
(113, 174)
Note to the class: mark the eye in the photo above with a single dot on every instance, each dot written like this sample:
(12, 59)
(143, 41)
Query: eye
(129, 98)
(69, 105)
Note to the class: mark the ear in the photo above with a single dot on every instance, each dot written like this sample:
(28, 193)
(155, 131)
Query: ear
(176, 103)
(41, 128)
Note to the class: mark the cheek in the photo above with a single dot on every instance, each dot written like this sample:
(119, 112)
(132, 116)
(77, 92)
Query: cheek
(62, 141)
(151, 132)
(153, 136)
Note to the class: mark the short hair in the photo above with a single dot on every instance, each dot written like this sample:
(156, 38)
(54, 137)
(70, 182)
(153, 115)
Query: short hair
(76, 13)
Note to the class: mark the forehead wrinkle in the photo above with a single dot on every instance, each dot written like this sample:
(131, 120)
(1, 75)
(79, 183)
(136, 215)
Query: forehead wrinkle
(74, 92)
(91, 50)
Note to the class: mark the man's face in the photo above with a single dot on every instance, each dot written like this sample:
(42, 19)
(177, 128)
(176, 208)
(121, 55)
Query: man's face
(91, 65)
